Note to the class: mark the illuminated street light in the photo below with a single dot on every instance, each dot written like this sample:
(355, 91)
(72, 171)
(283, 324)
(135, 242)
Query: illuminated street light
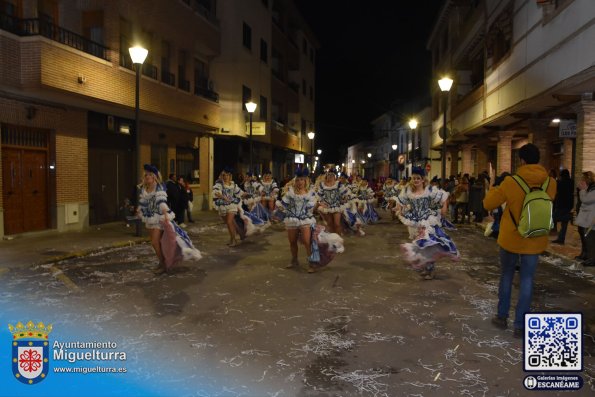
(445, 84)
(251, 107)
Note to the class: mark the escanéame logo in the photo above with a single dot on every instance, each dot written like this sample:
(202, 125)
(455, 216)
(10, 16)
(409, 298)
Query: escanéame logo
(30, 351)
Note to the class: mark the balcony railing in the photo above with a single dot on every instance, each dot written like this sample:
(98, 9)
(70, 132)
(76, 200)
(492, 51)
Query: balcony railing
(168, 78)
(38, 27)
(206, 93)
(150, 70)
(184, 85)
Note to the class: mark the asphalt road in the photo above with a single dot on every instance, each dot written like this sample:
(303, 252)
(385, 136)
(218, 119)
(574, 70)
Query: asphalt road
(237, 323)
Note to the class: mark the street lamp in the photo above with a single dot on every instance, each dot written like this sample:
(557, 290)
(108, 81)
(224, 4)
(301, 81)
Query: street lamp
(413, 126)
(445, 84)
(138, 55)
(250, 107)
(319, 151)
(369, 155)
(395, 147)
(311, 138)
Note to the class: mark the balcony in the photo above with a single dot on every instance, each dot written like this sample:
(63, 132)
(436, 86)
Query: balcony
(150, 70)
(38, 27)
(184, 85)
(168, 78)
(206, 93)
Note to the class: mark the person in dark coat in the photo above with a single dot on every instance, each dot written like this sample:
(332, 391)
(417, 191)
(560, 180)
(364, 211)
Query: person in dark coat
(563, 204)
(183, 199)
(476, 196)
(173, 190)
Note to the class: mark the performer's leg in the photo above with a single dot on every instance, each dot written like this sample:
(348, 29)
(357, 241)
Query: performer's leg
(292, 236)
(337, 223)
(155, 235)
(231, 228)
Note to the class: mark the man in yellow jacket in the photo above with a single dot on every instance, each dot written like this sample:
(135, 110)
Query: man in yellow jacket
(514, 247)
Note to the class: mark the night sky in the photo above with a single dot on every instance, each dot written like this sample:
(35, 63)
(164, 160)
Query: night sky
(370, 56)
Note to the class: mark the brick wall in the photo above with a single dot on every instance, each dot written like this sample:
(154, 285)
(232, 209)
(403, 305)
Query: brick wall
(585, 138)
(504, 152)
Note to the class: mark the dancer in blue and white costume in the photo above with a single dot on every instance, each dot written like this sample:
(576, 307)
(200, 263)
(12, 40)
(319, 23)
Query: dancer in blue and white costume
(333, 198)
(389, 194)
(269, 191)
(366, 200)
(159, 219)
(297, 203)
(421, 208)
(226, 199)
(351, 216)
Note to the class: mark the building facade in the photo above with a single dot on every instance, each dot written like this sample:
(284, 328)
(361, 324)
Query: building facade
(523, 72)
(268, 57)
(68, 100)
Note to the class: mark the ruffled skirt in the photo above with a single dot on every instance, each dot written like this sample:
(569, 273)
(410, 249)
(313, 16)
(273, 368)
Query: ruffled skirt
(430, 245)
(176, 245)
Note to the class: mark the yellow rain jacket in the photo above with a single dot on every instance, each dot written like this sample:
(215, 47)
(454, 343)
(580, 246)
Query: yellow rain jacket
(512, 194)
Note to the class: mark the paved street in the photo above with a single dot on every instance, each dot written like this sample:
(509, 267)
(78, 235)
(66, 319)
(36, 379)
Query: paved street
(237, 323)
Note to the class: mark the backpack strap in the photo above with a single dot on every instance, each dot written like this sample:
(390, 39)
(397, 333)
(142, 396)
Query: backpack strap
(523, 185)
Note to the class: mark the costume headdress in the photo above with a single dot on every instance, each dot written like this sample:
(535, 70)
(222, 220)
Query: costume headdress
(418, 171)
(151, 168)
(302, 172)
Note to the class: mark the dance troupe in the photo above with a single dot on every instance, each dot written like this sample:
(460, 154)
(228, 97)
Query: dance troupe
(250, 209)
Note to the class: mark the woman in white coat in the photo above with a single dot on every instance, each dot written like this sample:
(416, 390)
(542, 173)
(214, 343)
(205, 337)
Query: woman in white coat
(585, 220)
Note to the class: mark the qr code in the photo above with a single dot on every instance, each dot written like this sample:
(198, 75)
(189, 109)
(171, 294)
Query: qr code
(553, 342)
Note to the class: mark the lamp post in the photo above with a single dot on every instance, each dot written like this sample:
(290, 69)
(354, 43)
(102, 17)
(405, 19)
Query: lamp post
(138, 55)
(413, 126)
(395, 147)
(445, 84)
(250, 107)
(311, 138)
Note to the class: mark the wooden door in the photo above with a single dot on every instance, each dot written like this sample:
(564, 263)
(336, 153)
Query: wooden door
(35, 192)
(12, 191)
(109, 184)
(25, 192)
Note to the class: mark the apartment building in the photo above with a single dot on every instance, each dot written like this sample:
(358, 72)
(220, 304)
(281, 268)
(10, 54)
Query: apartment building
(267, 57)
(67, 100)
(523, 72)
(69, 141)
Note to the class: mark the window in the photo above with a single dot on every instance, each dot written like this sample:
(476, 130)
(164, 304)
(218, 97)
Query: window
(159, 158)
(166, 76)
(125, 43)
(304, 87)
(201, 78)
(264, 51)
(182, 82)
(499, 38)
(247, 36)
(263, 108)
(187, 164)
(246, 96)
(94, 31)
(311, 93)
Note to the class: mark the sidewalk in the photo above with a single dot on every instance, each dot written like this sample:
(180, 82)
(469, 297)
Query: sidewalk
(52, 246)
(566, 252)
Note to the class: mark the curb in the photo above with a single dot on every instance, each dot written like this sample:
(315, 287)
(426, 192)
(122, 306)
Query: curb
(79, 254)
(90, 251)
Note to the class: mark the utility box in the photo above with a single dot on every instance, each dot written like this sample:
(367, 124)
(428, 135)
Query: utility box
(71, 213)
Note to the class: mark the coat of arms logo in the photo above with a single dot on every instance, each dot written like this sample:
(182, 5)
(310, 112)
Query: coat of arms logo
(30, 351)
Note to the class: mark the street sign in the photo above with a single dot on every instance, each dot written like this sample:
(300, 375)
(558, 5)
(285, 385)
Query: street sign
(567, 129)
(258, 128)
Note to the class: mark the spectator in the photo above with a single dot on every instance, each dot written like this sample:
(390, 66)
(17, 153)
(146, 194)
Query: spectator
(182, 205)
(462, 200)
(173, 191)
(585, 220)
(513, 247)
(563, 205)
(190, 196)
